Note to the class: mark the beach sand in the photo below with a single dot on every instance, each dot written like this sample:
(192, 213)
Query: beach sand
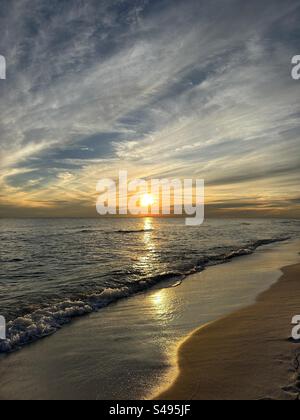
(247, 355)
(129, 350)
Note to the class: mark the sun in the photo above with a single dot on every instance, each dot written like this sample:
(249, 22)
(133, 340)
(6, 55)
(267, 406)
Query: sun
(147, 200)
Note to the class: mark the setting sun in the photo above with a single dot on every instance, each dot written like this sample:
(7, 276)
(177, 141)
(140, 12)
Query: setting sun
(147, 200)
(144, 148)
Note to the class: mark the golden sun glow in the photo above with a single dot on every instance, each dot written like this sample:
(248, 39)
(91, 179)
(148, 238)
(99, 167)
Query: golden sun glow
(147, 200)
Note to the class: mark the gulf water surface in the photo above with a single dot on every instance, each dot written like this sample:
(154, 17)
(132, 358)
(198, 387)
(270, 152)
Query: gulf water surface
(53, 270)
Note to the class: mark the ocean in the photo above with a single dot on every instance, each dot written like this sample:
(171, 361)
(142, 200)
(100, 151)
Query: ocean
(55, 270)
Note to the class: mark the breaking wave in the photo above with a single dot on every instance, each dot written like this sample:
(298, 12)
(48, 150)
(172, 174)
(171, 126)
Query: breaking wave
(116, 231)
(133, 231)
(46, 321)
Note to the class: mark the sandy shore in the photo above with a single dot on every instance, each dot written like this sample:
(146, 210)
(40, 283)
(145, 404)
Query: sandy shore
(247, 355)
(129, 349)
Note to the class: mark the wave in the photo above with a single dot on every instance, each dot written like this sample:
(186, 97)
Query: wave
(46, 321)
(227, 257)
(133, 231)
(115, 231)
(252, 247)
(13, 260)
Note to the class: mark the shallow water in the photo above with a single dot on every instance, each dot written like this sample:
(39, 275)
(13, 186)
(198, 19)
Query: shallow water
(54, 270)
(128, 349)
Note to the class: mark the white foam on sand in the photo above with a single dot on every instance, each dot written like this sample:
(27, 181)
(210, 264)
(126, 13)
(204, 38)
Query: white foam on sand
(127, 350)
(48, 320)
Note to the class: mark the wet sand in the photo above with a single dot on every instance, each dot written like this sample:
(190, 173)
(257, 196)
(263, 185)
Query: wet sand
(247, 355)
(128, 350)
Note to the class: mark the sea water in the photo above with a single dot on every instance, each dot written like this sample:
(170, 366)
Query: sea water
(53, 270)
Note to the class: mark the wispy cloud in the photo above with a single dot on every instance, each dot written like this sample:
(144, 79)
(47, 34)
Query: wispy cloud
(162, 88)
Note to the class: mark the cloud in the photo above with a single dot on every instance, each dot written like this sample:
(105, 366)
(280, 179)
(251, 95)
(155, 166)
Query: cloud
(161, 88)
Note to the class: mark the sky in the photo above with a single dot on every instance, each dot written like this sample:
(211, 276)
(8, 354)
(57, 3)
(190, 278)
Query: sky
(161, 88)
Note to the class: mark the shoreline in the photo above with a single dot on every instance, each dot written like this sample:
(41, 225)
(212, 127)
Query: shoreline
(247, 355)
(74, 309)
(129, 349)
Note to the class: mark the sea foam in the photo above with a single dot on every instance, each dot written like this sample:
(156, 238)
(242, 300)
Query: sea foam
(47, 320)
